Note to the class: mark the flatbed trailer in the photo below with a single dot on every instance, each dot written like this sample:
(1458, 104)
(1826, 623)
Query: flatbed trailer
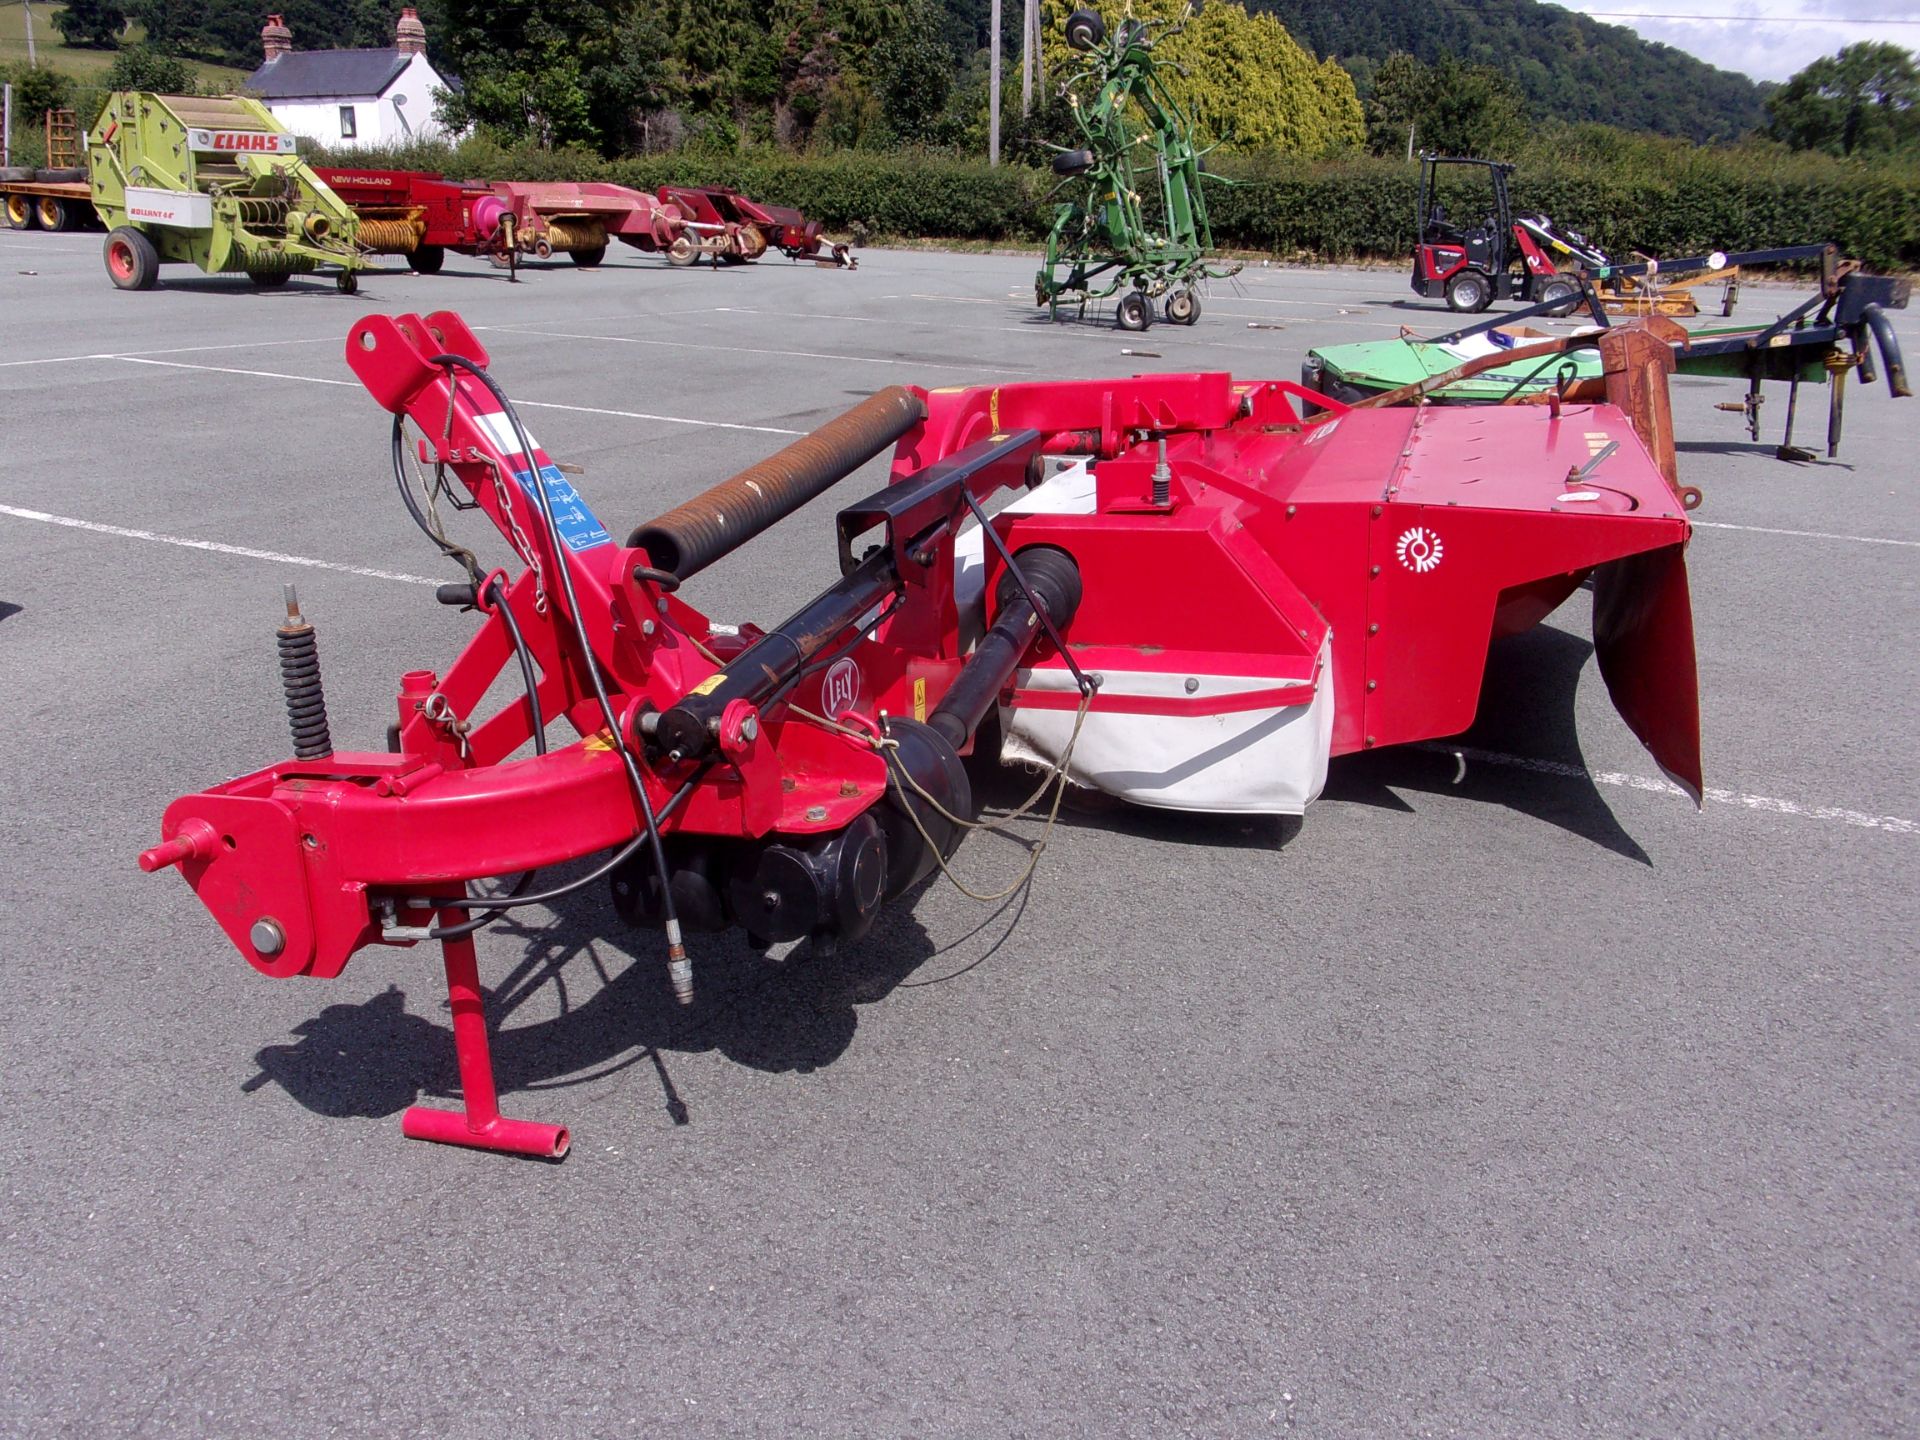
(29, 204)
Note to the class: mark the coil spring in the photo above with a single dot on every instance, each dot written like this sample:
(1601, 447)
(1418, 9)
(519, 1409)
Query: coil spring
(306, 699)
(256, 213)
(389, 237)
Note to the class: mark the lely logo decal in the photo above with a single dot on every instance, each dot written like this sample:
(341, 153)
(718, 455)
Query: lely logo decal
(841, 689)
(1420, 549)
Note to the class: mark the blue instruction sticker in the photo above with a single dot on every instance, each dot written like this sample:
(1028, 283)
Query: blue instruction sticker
(580, 529)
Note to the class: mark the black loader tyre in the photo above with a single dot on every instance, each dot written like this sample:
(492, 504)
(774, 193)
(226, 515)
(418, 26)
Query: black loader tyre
(1469, 292)
(1565, 291)
(588, 258)
(426, 259)
(132, 262)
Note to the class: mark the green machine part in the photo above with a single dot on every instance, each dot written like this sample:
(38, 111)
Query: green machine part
(1136, 220)
(212, 181)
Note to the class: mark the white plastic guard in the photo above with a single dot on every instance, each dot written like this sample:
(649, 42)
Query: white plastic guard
(187, 209)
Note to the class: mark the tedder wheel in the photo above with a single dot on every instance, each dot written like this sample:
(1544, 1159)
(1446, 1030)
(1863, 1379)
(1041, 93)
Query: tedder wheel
(1134, 312)
(1085, 29)
(1073, 162)
(1469, 292)
(132, 262)
(1564, 291)
(347, 282)
(683, 250)
(269, 279)
(19, 212)
(426, 259)
(1183, 307)
(588, 258)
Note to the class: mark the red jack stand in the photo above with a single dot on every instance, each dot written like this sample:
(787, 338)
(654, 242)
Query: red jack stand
(481, 1125)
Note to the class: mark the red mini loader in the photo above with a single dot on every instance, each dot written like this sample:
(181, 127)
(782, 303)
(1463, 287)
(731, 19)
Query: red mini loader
(1195, 600)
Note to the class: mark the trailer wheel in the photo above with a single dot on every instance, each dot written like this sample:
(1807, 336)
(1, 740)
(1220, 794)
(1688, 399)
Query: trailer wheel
(683, 250)
(51, 211)
(1183, 308)
(1085, 29)
(588, 258)
(19, 212)
(1134, 312)
(426, 259)
(1564, 291)
(1469, 292)
(132, 262)
(347, 282)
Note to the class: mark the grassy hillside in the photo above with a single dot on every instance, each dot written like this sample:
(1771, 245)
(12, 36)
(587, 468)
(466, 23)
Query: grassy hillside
(86, 66)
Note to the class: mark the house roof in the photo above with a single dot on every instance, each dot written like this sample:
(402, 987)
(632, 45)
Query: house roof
(302, 73)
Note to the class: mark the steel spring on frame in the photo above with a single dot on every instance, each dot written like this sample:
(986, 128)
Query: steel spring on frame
(300, 678)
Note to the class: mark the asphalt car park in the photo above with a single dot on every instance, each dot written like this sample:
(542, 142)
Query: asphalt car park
(1505, 1094)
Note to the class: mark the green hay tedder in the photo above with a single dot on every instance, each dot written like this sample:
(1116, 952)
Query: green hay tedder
(1136, 223)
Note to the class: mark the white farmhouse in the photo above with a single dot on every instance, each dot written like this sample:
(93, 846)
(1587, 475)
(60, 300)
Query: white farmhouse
(348, 98)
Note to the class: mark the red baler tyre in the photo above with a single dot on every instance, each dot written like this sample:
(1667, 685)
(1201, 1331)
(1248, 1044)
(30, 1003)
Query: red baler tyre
(132, 262)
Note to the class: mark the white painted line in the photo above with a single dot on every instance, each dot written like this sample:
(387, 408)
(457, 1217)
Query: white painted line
(518, 403)
(241, 550)
(1806, 534)
(754, 350)
(229, 370)
(1891, 823)
(640, 415)
(178, 350)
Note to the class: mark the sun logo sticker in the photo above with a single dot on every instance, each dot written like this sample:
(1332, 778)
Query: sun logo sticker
(1420, 549)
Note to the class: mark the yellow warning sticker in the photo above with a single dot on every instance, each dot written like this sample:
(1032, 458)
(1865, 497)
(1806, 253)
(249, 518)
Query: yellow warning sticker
(710, 684)
(993, 408)
(920, 700)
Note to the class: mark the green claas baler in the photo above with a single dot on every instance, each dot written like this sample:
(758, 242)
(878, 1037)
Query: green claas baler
(213, 182)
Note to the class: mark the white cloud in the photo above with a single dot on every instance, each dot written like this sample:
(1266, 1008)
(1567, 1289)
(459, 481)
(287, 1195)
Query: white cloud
(1767, 39)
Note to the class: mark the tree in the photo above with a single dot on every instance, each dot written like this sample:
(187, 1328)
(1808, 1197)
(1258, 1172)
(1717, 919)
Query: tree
(1451, 107)
(569, 72)
(141, 67)
(913, 70)
(1867, 97)
(91, 24)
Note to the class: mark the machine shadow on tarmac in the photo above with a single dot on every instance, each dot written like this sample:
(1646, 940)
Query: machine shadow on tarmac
(1527, 709)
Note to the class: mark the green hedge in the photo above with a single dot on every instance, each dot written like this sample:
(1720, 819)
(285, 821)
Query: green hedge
(1355, 209)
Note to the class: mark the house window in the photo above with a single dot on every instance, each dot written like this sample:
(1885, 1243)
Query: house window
(348, 129)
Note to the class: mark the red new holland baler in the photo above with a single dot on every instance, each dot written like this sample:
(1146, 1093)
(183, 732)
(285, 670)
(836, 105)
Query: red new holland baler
(1195, 601)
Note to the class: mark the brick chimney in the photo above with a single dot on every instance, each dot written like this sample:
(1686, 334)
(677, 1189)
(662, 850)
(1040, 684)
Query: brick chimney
(410, 36)
(275, 37)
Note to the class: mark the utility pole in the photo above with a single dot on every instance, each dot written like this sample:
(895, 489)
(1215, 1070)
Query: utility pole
(993, 91)
(27, 5)
(1029, 35)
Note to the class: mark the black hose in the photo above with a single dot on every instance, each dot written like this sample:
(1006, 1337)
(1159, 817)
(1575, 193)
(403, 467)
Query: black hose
(676, 950)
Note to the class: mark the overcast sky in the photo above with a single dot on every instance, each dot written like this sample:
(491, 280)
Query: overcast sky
(1767, 39)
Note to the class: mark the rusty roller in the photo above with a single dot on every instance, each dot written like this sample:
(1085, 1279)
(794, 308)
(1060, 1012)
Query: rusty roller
(389, 237)
(690, 537)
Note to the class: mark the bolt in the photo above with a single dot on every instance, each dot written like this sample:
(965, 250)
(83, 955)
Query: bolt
(1374, 571)
(1374, 629)
(1291, 509)
(1373, 684)
(1192, 685)
(848, 789)
(816, 813)
(647, 627)
(750, 728)
(1369, 742)
(661, 604)
(267, 937)
(1376, 512)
